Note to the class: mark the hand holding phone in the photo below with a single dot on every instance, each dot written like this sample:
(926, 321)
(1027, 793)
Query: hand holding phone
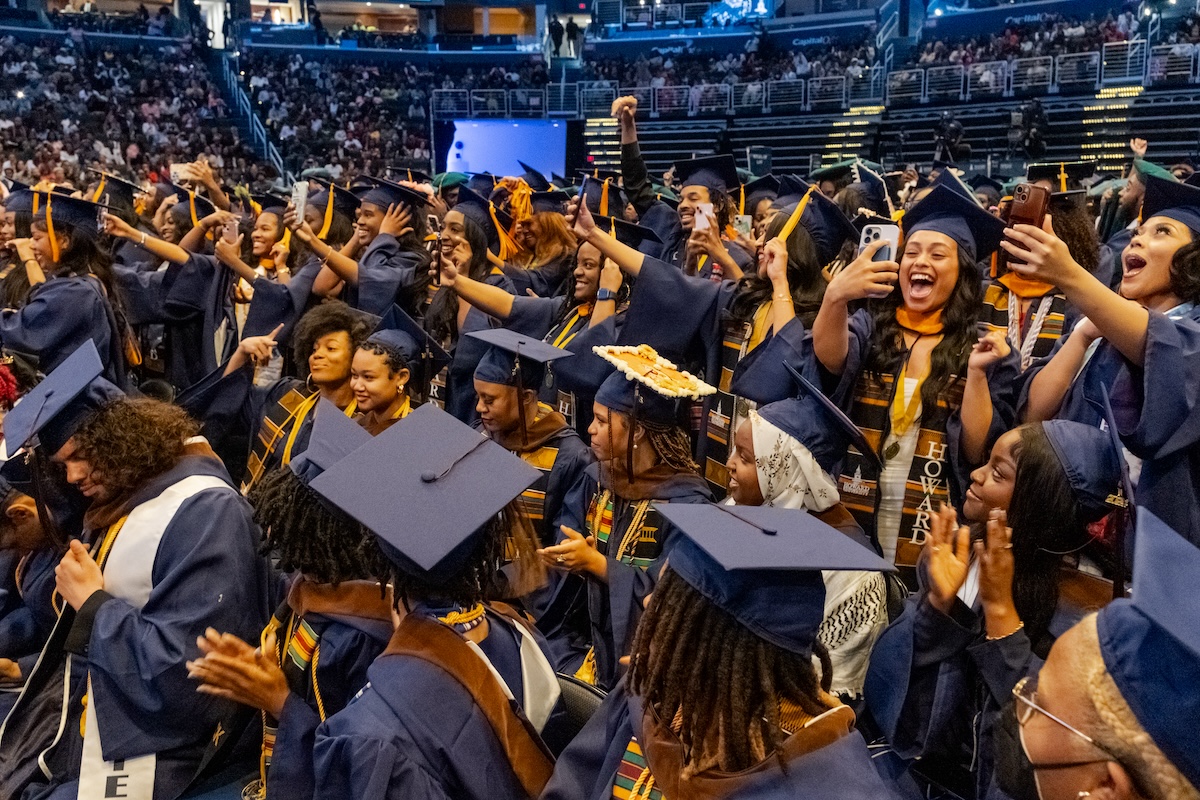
(889, 233)
(702, 217)
(230, 232)
(1029, 207)
(300, 197)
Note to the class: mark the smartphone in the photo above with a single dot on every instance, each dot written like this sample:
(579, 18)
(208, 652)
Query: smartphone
(178, 174)
(434, 223)
(703, 215)
(230, 231)
(437, 260)
(887, 232)
(300, 198)
(1029, 206)
(743, 224)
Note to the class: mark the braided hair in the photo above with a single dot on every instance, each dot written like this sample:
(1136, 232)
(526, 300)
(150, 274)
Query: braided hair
(722, 685)
(673, 446)
(326, 545)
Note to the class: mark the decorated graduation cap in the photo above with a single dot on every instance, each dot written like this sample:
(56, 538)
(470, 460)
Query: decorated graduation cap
(400, 332)
(334, 436)
(408, 174)
(1172, 200)
(646, 387)
(943, 210)
(1064, 175)
(515, 360)
(383, 193)
(401, 483)
(445, 181)
(333, 198)
(494, 222)
(873, 189)
(1150, 642)
(55, 408)
(824, 221)
(536, 180)
(603, 197)
(553, 200)
(762, 565)
(715, 173)
(627, 233)
(759, 189)
(817, 423)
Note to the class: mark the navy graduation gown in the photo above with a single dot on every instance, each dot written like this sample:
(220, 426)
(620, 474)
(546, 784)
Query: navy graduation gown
(1157, 409)
(613, 608)
(131, 255)
(59, 316)
(388, 273)
(839, 766)
(414, 733)
(544, 281)
(460, 377)
(205, 572)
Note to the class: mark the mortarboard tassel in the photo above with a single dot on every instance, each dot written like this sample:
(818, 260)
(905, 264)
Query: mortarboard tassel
(100, 189)
(192, 208)
(328, 219)
(50, 230)
(790, 226)
(1062, 176)
(604, 198)
(508, 248)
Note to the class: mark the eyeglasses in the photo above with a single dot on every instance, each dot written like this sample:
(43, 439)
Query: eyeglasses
(1025, 693)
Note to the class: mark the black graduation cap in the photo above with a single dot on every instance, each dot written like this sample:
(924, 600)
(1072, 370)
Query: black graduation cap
(759, 189)
(55, 408)
(715, 173)
(955, 184)
(1063, 174)
(762, 565)
(1192, 180)
(536, 180)
(19, 201)
(513, 359)
(494, 222)
(553, 200)
(943, 210)
(627, 233)
(1173, 200)
(83, 216)
(408, 174)
(115, 192)
(18, 186)
(384, 193)
(426, 487)
(824, 221)
(873, 189)
(791, 189)
(269, 202)
(1066, 200)
(424, 356)
(978, 180)
(482, 183)
(332, 198)
(598, 174)
(560, 181)
(603, 197)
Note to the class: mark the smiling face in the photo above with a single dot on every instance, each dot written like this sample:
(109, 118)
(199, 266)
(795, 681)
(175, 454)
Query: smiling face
(40, 241)
(587, 273)
(1147, 262)
(691, 197)
(992, 484)
(743, 472)
(526, 233)
(928, 270)
(265, 235)
(374, 384)
(8, 227)
(454, 235)
(370, 217)
(329, 363)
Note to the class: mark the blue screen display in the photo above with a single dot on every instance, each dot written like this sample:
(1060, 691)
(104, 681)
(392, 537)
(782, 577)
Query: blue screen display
(496, 145)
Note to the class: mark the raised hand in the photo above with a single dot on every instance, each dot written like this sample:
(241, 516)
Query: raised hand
(996, 569)
(397, 221)
(948, 557)
(863, 278)
(992, 347)
(1039, 253)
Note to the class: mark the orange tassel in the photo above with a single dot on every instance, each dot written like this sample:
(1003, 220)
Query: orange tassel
(50, 230)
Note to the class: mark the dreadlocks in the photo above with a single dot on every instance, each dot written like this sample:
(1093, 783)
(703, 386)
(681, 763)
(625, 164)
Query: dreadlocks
(720, 684)
(326, 545)
(672, 445)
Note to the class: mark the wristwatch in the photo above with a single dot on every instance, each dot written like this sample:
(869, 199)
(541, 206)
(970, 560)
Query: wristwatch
(606, 294)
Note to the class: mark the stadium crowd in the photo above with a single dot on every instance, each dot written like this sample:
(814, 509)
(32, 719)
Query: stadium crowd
(865, 483)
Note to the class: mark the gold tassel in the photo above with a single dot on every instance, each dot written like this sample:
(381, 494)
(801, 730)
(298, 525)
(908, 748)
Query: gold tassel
(794, 220)
(100, 189)
(192, 208)
(742, 202)
(1062, 177)
(328, 221)
(508, 248)
(604, 198)
(50, 230)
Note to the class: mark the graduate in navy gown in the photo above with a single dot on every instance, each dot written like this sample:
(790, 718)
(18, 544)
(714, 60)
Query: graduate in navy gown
(455, 705)
(547, 255)
(169, 549)
(475, 239)
(990, 606)
(121, 198)
(278, 418)
(1142, 344)
(611, 540)
(68, 304)
(723, 698)
(335, 621)
(392, 370)
(506, 383)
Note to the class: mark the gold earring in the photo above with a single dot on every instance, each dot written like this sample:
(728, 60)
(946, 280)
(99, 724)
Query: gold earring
(1082, 795)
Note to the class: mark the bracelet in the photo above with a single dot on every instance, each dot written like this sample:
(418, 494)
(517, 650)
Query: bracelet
(143, 237)
(781, 296)
(1005, 636)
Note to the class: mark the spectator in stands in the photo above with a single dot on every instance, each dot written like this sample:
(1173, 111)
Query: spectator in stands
(556, 34)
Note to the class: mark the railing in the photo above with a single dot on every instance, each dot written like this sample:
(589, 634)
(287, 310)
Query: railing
(944, 83)
(259, 140)
(828, 92)
(785, 96)
(1124, 62)
(562, 100)
(906, 86)
(866, 88)
(1077, 71)
(596, 100)
(1031, 75)
(987, 79)
(1171, 63)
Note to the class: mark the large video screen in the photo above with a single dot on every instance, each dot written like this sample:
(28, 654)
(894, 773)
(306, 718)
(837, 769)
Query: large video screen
(496, 145)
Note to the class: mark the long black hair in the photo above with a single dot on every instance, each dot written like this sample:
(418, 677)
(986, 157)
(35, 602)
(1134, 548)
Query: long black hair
(803, 272)
(886, 351)
(1185, 272)
(442, 318)
(693, 662)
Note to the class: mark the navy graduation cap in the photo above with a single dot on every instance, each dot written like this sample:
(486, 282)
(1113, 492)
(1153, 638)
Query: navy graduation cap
(598, 174)
(513, 359)
(1150, 642)
(482, 183)
(955, 184)
(550, 200)
(408, 174)
(344, 201)
(817, 423)
(759, 189)
(425, 357)
(715, 173)
(791, 189)
(603, 197)
(114, 191)
(763, 565)
(1172, 200)
(334, 436)
(426, 487)
(627, 233)
(198, 206)
(1063, 174)
(823, 220)
(55, 408)
(536, 180)
(979, 180)
(385, 193)
(59, 209)
(494, 222)
(943, 210)
(270, 202)
(1092, 466)
(873, 189)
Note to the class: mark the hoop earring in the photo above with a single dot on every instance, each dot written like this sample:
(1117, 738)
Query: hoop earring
(308, 383)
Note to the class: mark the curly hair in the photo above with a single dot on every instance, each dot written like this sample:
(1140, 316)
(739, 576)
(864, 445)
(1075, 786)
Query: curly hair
(507, 533)
(1073, 224)
(329, 317)
(326, 545)
(1185, 272)
(132, 440)
(886, 351)
(695, 663)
